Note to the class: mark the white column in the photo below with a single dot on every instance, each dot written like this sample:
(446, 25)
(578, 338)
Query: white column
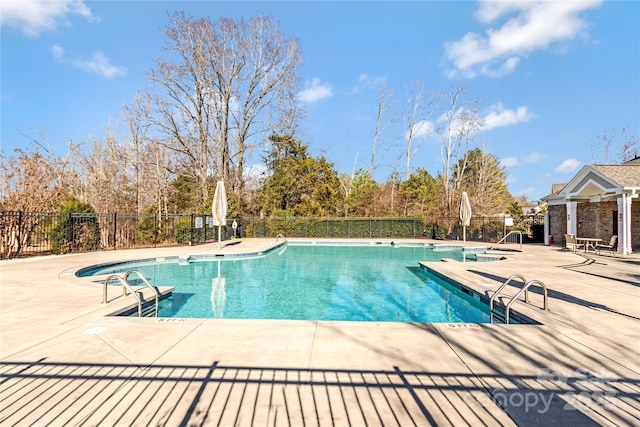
(546, 228)
(572, 218)
(624, 224)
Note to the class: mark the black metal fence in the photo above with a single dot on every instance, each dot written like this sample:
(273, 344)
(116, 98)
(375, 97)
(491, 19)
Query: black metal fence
(30, 233)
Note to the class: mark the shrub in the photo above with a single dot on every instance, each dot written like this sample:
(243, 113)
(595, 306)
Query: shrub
(434, 230)
(76, 229)
(183, 230)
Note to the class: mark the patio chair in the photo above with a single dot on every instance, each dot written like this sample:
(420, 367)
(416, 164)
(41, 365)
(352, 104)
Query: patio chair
(613, 244)
(570, 243)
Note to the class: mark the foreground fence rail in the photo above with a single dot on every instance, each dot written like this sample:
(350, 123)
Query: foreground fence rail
(32, 233)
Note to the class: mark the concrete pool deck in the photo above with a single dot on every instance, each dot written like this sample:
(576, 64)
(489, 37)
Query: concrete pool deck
(64, 362)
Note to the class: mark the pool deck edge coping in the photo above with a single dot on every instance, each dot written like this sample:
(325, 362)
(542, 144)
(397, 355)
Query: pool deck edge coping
(596, 328)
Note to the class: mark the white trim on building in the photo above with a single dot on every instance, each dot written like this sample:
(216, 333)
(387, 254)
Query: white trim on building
(602, 183)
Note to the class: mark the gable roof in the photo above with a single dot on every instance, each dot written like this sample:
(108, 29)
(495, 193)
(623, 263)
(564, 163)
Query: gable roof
(626, 176)
(600, 182)
(634, 161)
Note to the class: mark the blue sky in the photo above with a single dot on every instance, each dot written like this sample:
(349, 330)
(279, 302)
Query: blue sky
(550, 77)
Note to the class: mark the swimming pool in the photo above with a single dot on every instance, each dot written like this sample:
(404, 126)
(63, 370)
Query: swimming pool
(313, 282)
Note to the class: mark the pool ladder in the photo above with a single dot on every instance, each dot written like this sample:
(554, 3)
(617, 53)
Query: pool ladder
(525, 290)
(126, 287)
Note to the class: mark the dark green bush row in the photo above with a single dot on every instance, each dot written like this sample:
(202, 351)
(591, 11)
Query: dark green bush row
(486, 230)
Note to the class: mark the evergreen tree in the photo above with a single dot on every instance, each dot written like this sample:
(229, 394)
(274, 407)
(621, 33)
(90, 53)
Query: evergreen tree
(298, 184)
(419, 193)
(362, 195)
(485, 182)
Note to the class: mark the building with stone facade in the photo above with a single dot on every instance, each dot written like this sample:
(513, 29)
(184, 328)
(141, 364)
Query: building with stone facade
(600, 201)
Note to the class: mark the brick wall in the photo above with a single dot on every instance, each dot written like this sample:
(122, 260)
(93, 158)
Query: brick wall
(558, 222)
(597, 221)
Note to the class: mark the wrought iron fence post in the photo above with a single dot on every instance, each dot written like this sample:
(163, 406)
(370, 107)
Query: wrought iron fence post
(19, 248)
(192, 231)
(70, 231)
(482, 233)
(155, 230)
(115, 229)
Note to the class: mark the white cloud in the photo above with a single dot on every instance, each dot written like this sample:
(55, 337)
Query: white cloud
(315, 91)
(496, 117)
(568, 166)
(366, 82)
(422, 129)
(533, 25)
(509, 162)
(532, 157)
(372, 81)
(98, 63)
(528, 191)
(500, 117)
(490, 10)
(34, 17)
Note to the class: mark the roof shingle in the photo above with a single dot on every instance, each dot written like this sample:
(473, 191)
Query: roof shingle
(626, 175)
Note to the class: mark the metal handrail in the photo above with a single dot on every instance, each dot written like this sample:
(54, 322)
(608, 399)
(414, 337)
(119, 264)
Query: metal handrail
(146, 282)
(517, 232)
(280, 236)
(126, 287)
(524, 289)
(513, 276)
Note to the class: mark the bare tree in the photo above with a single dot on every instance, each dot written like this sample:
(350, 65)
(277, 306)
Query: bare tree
(61, 166)
(461, 121)
(469, 123)
(233, 84)
(108, 183)
(384, 101)
(159, 177)
(615, 147)
(416, 116)
(269, 79)
(29, 185)
(183, 111)
(137, 116)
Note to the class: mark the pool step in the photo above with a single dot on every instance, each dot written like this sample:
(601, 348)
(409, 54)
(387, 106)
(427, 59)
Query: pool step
(490, 257)
(149, 310)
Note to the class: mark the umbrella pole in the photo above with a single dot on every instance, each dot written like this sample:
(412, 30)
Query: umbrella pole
(219, 235)
(464, 234)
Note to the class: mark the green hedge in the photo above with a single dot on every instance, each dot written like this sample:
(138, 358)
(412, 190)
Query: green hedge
(334, 227)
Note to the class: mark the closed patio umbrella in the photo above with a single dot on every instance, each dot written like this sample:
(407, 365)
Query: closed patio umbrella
(219, 209)
(465, 214)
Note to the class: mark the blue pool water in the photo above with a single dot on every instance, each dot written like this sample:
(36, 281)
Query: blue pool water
(365, 283)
